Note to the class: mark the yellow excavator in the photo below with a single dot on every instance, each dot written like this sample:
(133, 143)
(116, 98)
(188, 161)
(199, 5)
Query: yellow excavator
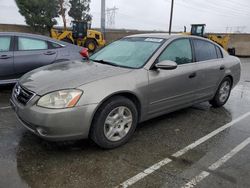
(81, 35)
(222, 40)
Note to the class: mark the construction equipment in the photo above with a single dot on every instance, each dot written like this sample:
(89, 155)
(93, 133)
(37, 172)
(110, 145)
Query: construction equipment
(222, 40)
(81, 35)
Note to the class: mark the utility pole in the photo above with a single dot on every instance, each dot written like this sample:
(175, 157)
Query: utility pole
(103, 16)
(171, 17)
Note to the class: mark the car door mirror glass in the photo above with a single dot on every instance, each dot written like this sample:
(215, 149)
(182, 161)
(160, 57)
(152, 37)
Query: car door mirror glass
(166, 65)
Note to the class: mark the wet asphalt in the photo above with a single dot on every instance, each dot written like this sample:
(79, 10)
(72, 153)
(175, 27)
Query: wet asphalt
(28, 161)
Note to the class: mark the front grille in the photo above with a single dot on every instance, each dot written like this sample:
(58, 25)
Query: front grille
(22, 95)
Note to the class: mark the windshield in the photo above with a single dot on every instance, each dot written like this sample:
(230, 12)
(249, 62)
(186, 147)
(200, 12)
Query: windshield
(128, 52)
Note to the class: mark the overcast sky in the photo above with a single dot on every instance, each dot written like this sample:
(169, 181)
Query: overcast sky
(218, 15)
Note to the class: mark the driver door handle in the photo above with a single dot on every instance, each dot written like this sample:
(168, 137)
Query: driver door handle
(5, 56)
(222, 67)
(49, 53)
(192, 75)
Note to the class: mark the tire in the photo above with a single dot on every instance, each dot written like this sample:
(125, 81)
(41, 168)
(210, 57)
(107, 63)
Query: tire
(222, 95)
(91, 45)
(102, 131)
(67, 40)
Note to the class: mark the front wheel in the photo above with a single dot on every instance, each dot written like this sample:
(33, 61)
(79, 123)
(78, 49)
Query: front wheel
(114, 123)
(222, 93)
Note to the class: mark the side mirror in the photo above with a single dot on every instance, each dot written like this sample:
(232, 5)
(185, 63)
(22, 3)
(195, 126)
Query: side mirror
(166, 65)
(84, 52)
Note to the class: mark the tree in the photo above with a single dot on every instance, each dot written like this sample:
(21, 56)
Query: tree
(39, 14)
(79, 10)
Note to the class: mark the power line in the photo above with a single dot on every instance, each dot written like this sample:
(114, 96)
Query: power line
(110, 14)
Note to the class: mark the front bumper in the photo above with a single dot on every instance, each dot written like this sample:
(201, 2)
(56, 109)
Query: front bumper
(55, 124)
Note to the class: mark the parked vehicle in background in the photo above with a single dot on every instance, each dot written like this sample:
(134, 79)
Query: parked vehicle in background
(129, 81)
(23, 52)
(81, 35)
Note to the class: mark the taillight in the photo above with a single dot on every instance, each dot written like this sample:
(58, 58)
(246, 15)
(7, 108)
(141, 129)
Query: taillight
(84, 53)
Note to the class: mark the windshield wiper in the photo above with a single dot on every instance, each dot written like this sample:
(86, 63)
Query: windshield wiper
(104, 62)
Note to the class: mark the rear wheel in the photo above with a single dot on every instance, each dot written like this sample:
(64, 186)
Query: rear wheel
(114, 123)
(91, 45)
(222, 93)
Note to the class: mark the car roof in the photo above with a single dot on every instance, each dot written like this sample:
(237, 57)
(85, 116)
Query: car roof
(42, 37)
(154, 35)
(167, 36)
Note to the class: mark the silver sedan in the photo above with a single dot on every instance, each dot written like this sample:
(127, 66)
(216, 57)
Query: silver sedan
(129, 81)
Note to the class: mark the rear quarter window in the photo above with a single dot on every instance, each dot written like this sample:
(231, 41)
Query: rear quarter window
(53, 45)
(219, 53)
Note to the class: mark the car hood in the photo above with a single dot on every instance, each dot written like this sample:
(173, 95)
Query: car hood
(70, 74)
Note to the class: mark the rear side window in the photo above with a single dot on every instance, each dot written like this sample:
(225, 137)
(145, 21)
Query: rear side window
(178, 51)
(31, 44)
(219, 53)
(5, 44)
(204, 50)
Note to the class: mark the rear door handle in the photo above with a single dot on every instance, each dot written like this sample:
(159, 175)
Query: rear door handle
(49, 53)
(5, 56)
(222, 67)
(192, 75)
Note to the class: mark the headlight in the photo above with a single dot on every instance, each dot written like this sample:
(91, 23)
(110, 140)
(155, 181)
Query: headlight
(60, 99)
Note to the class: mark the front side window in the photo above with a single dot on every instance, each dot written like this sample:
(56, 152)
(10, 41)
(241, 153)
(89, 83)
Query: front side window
(5, 43)
(131, 52)
(178, 51)
(31, 44)
(204, 50)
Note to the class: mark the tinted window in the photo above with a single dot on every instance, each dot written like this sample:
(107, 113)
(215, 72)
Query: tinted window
(178, 51)
(5, 44)
(31, 44)
(219, 54)
(204, 50)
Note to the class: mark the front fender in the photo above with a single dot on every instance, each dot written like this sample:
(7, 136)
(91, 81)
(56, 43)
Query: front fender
(134, 82)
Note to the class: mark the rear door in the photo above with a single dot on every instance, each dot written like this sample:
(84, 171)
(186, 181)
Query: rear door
(172, 89)
(6, 58)
(31, 53)
(210, 67)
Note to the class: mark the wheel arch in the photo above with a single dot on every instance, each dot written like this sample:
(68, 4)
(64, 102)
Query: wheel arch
(231, 78)
(127, 94)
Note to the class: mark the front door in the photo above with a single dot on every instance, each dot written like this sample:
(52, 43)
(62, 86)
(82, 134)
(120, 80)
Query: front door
(32, 53)
(6, 59)
(172, 89)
